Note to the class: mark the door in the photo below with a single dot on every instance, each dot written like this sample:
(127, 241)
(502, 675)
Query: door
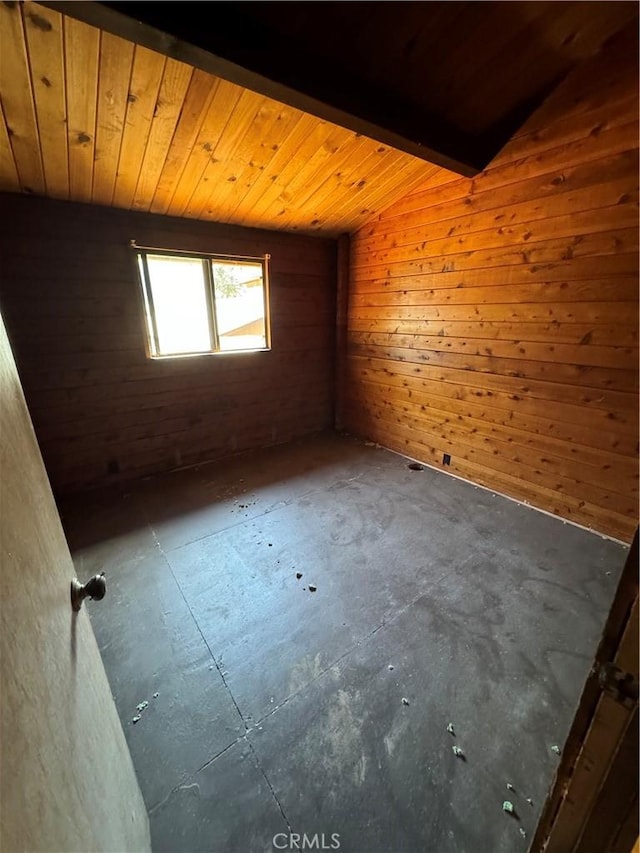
(66, 778)
(593, 803)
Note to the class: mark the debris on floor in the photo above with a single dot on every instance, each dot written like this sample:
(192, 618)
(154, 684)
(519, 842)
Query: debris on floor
(298, 575)
(510, 787)
(507, 806)
(142, 706)
(390, 667)
(369, 444)
(555, 748)
(457, 752)
(451, 730)
(136, 719)
(522, 832)
(529, 800)
(405, 701)
(155, 695)
(312, 588)
(415, 466)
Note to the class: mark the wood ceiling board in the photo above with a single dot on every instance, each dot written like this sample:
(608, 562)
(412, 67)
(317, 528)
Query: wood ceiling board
(374, 171)
(223, 103)
(252, 166)
(248, 162)
(171, 97)
(275, 66)
(43, 31)
(194, 110)
(335, 145)
(8, 173)
(410, 177)
(250, 113)
(146, 76)
(248, 212)
(379, 202)
(17, 100)
(147, 132)
(309, 137)
(82, 56)
(116, 59)
(327, 179)
(495, 61)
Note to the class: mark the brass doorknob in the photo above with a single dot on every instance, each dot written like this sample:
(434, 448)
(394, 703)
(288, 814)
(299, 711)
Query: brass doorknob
(94, 588)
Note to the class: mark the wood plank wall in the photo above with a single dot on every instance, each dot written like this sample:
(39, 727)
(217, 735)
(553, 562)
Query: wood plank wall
(102, 410)
(496, 319)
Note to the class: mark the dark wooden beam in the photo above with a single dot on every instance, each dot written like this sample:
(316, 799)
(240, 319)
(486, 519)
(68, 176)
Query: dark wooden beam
(224, 40)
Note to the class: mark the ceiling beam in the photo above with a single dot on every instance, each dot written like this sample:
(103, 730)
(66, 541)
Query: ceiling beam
(238, 49)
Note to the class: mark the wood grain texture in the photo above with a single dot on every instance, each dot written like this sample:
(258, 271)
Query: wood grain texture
(8, 173)
(43, 30)
(18, 103)
(94, 117)
(82, 55)
(496, 319)
(105, 412)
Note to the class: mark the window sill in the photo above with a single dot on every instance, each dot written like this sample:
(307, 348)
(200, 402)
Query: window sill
(182, 355)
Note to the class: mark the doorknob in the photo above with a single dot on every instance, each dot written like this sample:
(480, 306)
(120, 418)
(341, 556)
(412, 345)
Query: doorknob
(94, 588)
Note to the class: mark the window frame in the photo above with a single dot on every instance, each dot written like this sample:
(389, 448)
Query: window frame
(207, 259)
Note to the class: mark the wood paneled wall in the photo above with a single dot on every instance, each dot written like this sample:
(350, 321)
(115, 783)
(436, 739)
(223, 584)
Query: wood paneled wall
(102, 410)
(496, 319)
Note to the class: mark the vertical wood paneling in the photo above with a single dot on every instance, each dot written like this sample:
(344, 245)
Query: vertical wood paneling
(43, 28)
(222, 104)
(17, 100)
(81, 51)
(116, 58)
(102, 410)
(8, 173)
(287, 161)
(252, 162)
(196, 106)
(173, 90)
(496, 319)
(313, 171)
(249, 114)
(146, 74)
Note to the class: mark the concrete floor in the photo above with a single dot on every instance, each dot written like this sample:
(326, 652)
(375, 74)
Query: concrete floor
(280, 709)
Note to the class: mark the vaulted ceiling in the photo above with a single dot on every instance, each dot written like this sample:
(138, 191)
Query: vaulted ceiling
(91, 117)
(184, 120)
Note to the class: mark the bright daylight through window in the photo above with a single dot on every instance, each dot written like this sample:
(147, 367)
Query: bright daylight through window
(199, 304)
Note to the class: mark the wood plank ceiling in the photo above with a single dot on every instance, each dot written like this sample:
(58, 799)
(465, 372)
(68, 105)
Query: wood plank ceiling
(87, 116)
(447, 82)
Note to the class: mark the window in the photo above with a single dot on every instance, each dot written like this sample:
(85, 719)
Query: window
(203, 303)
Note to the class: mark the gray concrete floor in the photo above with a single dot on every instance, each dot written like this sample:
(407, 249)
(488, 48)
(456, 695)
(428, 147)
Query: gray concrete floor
(279, 709)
